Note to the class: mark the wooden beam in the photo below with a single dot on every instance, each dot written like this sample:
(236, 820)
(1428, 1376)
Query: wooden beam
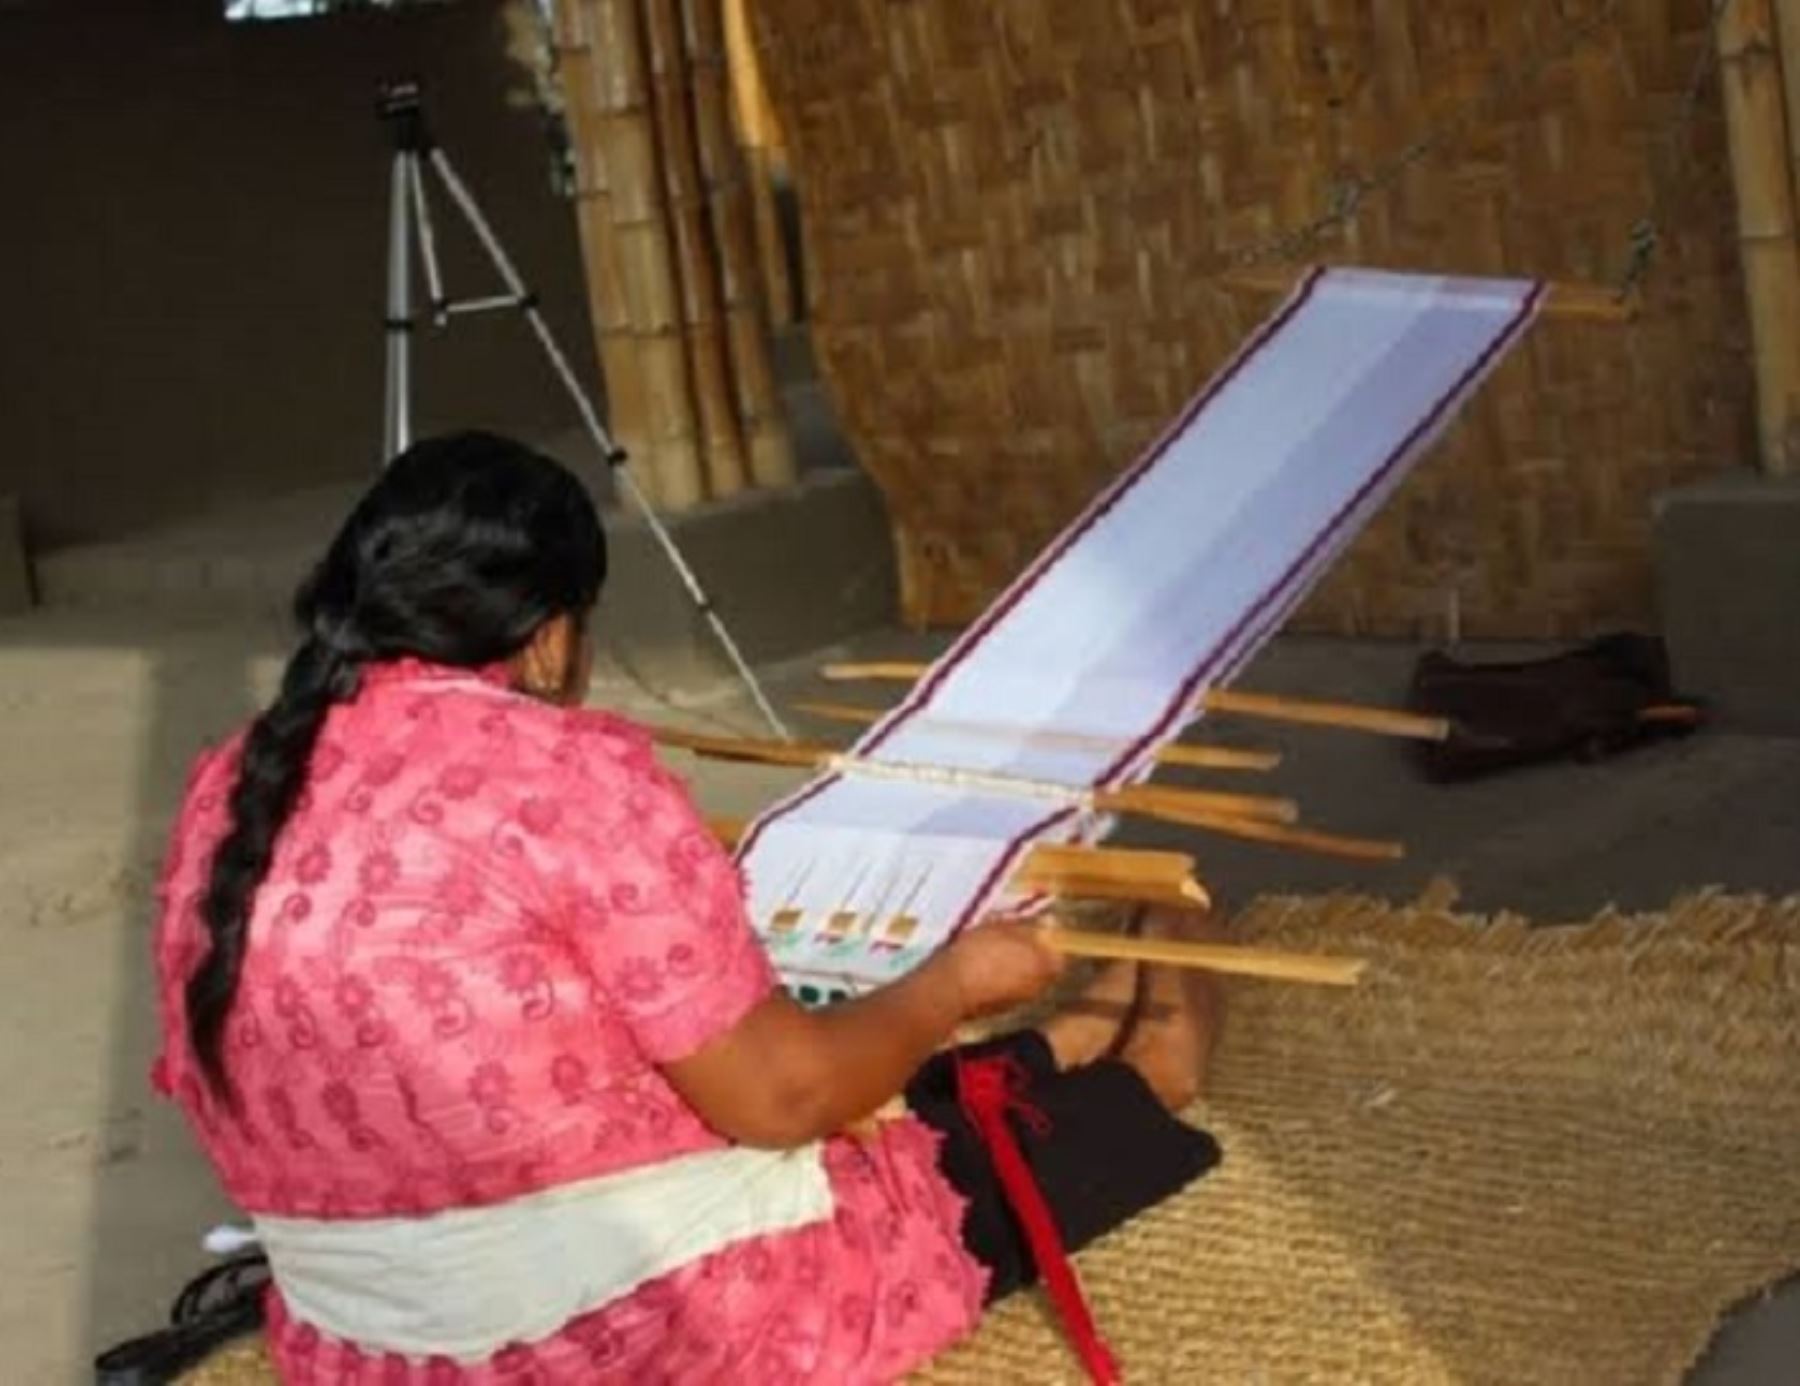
(1305, 711)
(1563, 300)
(1193, 757)
(1768, 244)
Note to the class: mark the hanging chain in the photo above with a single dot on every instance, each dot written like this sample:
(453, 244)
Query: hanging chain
(1646, 232)
(1346, 196)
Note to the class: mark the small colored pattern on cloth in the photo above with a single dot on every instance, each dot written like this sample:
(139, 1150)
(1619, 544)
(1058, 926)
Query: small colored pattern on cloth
(486, 925)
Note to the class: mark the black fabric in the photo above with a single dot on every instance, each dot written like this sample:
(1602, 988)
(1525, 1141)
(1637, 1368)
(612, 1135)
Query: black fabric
(223, 1303)
(1586, 703)
(1109, 1151)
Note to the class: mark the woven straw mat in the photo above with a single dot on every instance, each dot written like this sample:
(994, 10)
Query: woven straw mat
(1512, 1155)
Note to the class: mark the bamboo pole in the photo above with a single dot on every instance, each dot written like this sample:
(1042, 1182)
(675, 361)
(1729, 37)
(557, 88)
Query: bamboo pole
(616, 128)
(1303, 711)
(758, 132)
(1787, 25)
(621, 367)
(1768, 245)
(1191, 757)
(672, 84)
(756, 397)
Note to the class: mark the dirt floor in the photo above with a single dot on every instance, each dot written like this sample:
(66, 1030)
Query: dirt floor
(102, 1197)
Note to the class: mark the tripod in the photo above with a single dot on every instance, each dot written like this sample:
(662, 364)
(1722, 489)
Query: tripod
(401, 108)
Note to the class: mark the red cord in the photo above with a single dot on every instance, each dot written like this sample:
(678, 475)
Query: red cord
(988, 1089)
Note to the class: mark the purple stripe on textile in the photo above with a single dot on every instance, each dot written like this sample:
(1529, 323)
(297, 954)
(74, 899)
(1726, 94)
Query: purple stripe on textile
(927, 687)
(1185, 694)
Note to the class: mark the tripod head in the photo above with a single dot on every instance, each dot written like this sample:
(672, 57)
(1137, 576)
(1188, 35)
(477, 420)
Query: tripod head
(401, 105)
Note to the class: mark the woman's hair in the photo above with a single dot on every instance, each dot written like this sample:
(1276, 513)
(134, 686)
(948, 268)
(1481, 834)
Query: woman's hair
(457, 555)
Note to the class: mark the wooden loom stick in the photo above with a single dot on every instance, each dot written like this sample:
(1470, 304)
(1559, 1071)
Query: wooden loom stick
(1097, 873)
(1563, 299)
(1188, 813)
(1300, 839)
(1079, 872)
(1193, 757)
(1311, 712)
(1680, 714)
(1158, 801)
(1214, 957)
(1185, 806)
(1113, 873)
(1304, 711)
(806, 755)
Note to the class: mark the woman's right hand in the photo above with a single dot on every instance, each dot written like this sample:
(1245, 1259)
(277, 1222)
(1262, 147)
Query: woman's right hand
(999, 965)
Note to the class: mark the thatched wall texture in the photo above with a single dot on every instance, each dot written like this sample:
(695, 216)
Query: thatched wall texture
(1016, 215)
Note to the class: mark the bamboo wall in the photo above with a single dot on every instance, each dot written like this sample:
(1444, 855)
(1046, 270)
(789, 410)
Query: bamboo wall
(669, 232)
(1016, 213)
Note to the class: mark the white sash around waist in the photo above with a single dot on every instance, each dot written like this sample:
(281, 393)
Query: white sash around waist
(467, 1282)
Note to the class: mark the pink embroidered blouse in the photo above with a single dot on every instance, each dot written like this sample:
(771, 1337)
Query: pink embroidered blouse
(485, 926)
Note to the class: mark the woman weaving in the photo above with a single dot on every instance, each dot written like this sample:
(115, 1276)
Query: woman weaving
(463, 1004)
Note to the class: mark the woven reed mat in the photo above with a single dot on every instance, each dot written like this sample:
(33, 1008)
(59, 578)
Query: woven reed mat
(1512, 1155)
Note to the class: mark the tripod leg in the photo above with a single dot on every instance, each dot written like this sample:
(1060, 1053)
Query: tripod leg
(610, 450)
(434, 280)
(396, 433)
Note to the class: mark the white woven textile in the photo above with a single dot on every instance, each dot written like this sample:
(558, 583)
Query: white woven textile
(1161, 589)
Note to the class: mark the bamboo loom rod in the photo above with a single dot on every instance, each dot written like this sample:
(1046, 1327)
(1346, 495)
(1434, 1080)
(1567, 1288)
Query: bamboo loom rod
(757, 131)
(621, 365)
(1213, 957)
(1787, 25)
(756, 399)
(1077, 871)
(1302, 711)
(1564, 300)
(1185, 807)
(672, 79)
(1173, 805)
(1194, 757)
(1768, 236)
(620, 134)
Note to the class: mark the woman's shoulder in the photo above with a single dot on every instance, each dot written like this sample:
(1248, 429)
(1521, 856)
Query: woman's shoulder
(584, 738)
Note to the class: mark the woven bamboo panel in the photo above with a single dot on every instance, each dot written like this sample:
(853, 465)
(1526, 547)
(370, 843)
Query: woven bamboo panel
(1016, 216)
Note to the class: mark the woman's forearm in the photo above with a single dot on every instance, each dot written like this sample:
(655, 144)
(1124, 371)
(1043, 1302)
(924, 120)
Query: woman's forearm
(784, 1075)
(875, 1043)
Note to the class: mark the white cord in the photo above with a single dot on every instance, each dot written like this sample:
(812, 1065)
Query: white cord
(227, 1240)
